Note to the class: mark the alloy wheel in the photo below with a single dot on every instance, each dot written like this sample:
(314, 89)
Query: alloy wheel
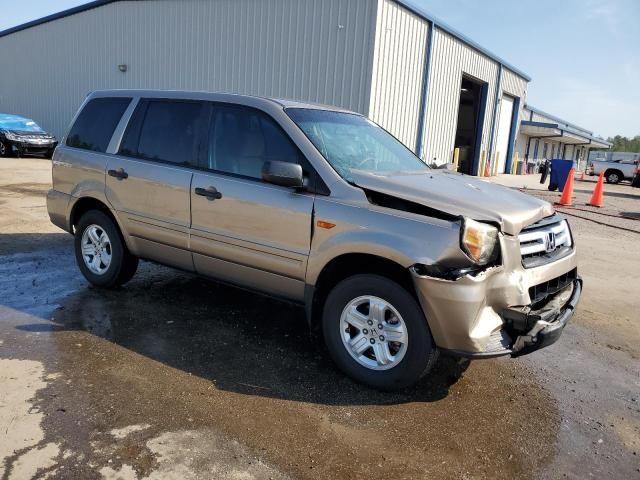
(96, 249)
(373, 332)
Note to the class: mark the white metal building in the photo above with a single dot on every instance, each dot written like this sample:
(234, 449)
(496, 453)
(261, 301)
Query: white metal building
(432, 87)
(543, 136)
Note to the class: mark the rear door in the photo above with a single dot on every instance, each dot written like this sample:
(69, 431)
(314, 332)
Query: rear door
(244, 230)
(148, 182)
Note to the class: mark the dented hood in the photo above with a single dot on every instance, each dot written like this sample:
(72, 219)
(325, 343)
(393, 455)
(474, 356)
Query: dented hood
(458, 194)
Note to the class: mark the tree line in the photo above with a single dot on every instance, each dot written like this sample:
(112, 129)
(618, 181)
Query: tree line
(624, 144)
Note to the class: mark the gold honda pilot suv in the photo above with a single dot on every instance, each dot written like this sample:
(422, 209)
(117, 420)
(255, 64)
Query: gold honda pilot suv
(393, 262)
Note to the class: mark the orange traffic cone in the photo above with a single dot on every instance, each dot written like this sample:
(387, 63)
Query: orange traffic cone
(598, 193)
(567, 191)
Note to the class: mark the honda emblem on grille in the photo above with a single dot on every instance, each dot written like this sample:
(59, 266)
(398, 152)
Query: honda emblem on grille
(550, 242)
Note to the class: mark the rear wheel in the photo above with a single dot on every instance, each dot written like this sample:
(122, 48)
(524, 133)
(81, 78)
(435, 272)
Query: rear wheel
(376, 333)
(101, 254)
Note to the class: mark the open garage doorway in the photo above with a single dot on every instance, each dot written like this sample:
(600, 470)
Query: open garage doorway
(473, 100)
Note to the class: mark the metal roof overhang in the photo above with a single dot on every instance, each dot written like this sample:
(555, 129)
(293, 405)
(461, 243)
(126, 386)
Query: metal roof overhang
(558, 120)
(559, 133)
(599, 143)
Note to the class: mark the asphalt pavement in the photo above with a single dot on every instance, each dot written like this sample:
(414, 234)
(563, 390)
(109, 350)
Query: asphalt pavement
(175, 376)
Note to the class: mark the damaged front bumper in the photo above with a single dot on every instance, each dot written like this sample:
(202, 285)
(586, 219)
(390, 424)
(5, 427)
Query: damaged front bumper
(545, 325)
(503, 310)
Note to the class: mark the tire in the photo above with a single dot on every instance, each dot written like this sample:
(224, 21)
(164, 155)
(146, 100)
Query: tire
(413, 358)
(121, 265)
(5, 150)
(613, 176)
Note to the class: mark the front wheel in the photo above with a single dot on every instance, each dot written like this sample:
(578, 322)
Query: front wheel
(5, 149)
(101, 254)
(376, 333)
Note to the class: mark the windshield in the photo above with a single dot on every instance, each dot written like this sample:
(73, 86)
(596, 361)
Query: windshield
(12, 122)
(348, 141)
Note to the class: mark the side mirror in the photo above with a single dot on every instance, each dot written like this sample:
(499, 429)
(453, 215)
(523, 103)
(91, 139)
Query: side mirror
(284, 174)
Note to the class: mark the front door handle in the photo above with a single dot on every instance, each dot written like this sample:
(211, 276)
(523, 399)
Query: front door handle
(120, 174)
(210, 192)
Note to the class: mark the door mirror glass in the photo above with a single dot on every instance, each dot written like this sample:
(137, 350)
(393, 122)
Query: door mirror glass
(284, 174)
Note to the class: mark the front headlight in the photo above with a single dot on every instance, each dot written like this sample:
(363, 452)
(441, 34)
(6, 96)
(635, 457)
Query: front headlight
(479, 241)
(12, 136)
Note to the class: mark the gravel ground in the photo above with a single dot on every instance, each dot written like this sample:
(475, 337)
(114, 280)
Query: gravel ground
(174, 376)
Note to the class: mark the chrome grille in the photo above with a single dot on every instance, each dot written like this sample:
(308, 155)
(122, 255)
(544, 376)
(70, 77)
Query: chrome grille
(545, 241)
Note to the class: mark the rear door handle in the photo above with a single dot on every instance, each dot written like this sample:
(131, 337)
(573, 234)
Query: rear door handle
(210, 192)
(120, 174)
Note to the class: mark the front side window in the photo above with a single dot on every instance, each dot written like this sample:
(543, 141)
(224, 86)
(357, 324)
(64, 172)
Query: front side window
(243, 139)
(96, 123)
(166, 131)
(352, 142)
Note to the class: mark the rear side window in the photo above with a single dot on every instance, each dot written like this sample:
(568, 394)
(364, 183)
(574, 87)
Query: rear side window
(166, 131)
(96, 123)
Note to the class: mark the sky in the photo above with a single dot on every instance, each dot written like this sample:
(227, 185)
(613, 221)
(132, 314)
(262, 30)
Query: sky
(583, 55)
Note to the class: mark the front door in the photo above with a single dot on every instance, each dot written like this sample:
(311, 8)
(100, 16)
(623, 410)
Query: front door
(149, 181)
(244, 230)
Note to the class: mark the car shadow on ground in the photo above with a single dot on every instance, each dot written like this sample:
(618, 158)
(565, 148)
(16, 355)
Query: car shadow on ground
(238, 340)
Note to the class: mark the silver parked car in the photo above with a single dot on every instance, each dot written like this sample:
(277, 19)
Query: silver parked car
(615, 170)
(393, 261)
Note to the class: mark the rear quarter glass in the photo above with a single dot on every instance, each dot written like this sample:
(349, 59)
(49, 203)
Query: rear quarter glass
(96, 123)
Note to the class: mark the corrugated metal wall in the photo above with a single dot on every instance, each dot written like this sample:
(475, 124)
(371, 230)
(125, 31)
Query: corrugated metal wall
(522, 139)
(514, 85)
(365, 55)
(450, 59)
(521, 145)
(301, 49)
(398, 70)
